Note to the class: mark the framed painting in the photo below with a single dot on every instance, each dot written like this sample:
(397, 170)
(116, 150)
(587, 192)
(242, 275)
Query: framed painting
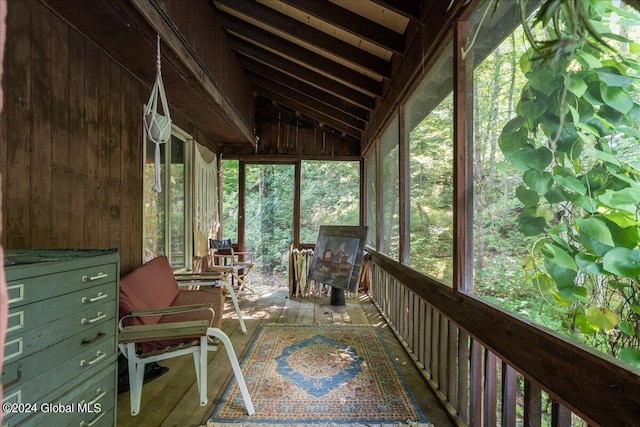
(337, 256)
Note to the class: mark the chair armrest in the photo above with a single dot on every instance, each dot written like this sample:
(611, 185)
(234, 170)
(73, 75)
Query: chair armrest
(201, 279)
(143, 333)
(166, 310)
(247, 257)
(221, 268)
(170, 310)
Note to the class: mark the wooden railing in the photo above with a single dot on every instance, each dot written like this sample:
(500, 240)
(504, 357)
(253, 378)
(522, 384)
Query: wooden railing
(492, 368)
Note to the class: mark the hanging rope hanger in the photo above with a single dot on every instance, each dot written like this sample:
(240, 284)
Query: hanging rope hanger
(157, 126)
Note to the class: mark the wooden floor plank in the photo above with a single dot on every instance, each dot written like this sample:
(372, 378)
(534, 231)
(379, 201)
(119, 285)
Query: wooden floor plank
(172, 400)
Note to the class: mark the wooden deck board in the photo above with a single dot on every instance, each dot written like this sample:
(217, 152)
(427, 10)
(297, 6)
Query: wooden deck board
(172, 400)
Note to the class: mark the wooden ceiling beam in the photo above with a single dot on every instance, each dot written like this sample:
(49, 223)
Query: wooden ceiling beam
(299, 54)
(307, 34)
(307, 100)
(302, 73)
(320, 66)
(408, 8)
(352, 23)
(303, 87)
(324, 119)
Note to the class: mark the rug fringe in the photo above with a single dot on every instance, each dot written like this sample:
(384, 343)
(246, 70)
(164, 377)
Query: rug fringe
(211, 423)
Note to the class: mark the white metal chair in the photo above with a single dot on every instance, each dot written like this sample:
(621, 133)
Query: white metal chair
(194, 337)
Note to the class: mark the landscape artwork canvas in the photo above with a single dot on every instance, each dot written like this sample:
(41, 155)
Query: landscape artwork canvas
(337, 256)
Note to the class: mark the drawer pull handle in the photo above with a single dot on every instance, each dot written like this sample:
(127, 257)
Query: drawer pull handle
(98, 317)
(100, 393)
(99, 356)
(96, 298)
(14, 381)
(96, 277)
(83, 423)
(98, 337)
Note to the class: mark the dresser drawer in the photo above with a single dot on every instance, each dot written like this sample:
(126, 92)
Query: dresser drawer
(37, 288)
(58, 364)
(92, 399)
(21, 343)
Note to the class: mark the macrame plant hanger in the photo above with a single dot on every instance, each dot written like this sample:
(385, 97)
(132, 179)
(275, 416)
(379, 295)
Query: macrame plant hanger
(157, 126)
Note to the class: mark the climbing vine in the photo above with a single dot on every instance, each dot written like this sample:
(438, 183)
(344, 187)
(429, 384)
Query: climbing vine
(576, 141)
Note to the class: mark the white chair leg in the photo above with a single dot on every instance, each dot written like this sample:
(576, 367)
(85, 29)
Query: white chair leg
(136, 378)
(236, 367)
(200, 361)
(235, 304)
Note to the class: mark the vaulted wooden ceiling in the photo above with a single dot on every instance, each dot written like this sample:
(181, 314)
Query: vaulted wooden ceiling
(332, 61)
(328, 60)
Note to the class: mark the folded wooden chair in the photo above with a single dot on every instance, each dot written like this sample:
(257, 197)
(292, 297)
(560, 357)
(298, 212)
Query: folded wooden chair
(232, 263)
(159, 321)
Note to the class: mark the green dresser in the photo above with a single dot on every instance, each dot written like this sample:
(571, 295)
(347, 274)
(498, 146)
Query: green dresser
(60, 349)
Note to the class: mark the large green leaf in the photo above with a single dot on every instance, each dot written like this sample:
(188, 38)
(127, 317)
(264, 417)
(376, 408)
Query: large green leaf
(587, 60)
(624, 237)
(604, 319)
(556, 195)
(617, 99)
(510, 141)
(626, 328)
(539, 181)
(573, 293)
(626, 199)
(527, 197)
(529, 157)
(622, 262)
(630, 355)
(586, 327)
(576, 85)
(559, 256)
(532, 109)
(613, 77)
(587, 264)
(571, 183)
(621, 219)
(531, 225)
(596, 229)
(585, 202)
(545, 81)
(543, 282)
(605, 157)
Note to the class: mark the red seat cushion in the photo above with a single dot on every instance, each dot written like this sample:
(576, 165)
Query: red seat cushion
(152, 285)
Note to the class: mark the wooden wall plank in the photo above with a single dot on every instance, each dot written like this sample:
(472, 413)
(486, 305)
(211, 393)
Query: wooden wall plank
(91, 184)
(41, 142)
(124, 166)
(77, 139)
(61, 79)
(113, 182)
(104, 149)
(17, 86)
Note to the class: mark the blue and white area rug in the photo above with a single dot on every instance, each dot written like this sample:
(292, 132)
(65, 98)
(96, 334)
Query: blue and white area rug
(327, 375)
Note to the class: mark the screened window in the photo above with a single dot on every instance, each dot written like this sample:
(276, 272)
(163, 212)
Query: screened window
(269, 214)
(167, 214)
(229, 223)
(429, 127)
(329, 195)
(389, 209)
(498, 243)
(370, 168)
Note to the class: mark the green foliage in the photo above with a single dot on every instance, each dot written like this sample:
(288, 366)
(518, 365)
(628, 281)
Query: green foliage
(575, 140)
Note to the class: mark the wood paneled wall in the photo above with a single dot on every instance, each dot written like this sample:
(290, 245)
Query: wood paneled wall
(70, 140)
(285, 135)
(193, 19)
